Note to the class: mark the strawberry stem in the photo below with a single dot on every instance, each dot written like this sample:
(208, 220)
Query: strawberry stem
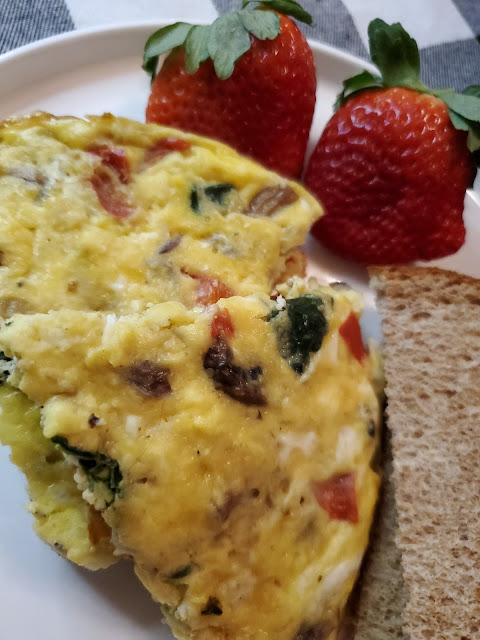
(224, 41)
(287, 7)
(396, 55)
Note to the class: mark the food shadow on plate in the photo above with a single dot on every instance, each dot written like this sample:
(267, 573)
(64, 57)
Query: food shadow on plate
(328, 267)
(123, 591)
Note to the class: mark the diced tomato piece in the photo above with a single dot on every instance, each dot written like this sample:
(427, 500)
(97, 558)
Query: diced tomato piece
(109, 194)
(114, 158)
(163, 147)
(210, 290)
(351, 333)
(222, 324)
(337, 496)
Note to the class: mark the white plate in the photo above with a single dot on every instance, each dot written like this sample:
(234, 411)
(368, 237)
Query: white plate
(92, 72)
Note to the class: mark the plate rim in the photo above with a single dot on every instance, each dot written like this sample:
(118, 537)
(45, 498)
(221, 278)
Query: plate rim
(74, 36)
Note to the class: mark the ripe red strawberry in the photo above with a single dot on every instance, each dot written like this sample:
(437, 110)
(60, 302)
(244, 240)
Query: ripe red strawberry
(247, 80)
(390, 168)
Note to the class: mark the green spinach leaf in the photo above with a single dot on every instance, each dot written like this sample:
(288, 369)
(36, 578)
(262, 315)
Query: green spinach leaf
(97, 466)
(300, 328)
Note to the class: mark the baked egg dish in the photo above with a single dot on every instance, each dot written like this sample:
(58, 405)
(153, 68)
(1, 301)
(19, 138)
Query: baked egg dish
(227, 449)
(173, 392)
(111, 214)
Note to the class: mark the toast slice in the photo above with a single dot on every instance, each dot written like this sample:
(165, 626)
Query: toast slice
(380, 597)
(431, 325)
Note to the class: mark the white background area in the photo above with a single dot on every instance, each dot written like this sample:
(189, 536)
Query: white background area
(421, 17)
(91, 13)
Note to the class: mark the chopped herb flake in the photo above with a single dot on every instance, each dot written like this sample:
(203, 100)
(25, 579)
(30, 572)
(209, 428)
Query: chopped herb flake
(194, 200)
(218, 192)
(215, 193)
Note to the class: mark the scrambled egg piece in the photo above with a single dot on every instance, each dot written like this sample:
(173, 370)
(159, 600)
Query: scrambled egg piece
(161, 405)
(113, 215)
(107, 213)
(63, 519)
(229, 449)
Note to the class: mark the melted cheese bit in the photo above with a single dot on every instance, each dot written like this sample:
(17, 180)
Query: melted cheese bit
(291, 440)
(341, 574)
(110, 320)
(132, 425)
(119, 284)
(349, 445)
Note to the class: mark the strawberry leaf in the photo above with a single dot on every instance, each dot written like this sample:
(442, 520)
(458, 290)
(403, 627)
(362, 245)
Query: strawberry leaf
(473, 139)
(225, 41)
(228, 41)
(363, 80)
(396, 55)
(287, 7)
(473, 128)
(458, 122)
(264, 25)
(196, 47)
(162, 41)
(464, 110)
(467, 106)
(473, 142)
(472, 90)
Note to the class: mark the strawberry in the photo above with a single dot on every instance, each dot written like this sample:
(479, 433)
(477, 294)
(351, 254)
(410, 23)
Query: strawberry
(247, 80)
(393, 164)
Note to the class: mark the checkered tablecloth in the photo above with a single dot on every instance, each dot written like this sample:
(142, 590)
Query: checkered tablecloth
(447, 31)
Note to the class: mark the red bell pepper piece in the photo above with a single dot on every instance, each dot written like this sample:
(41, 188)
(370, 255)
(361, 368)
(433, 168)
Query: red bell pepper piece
(351, 333)
(222, 324)
(337, 496)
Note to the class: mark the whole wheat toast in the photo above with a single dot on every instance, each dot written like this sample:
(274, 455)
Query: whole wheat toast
(431, 325)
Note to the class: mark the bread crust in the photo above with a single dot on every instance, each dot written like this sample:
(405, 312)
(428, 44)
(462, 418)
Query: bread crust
(431, 325)
(390, 280)
(378, 602)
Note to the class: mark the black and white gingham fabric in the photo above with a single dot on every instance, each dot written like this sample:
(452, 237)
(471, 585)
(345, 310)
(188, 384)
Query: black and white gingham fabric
(29, 20)
(447, 31)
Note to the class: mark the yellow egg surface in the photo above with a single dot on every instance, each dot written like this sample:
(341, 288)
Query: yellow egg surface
(71, 526)
(229, 448)
(109, 214)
